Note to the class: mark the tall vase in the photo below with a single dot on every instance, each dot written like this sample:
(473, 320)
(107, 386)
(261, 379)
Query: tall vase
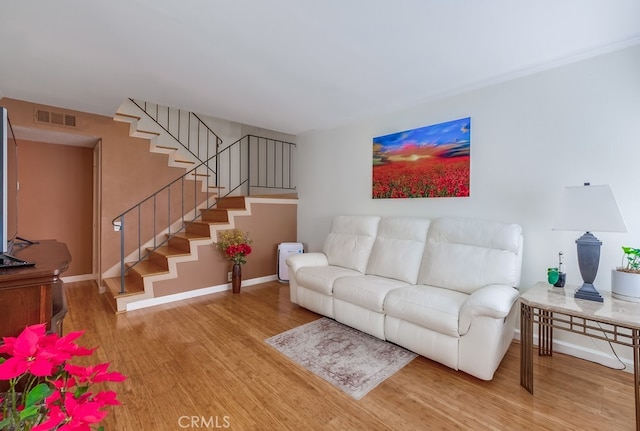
(236, 277)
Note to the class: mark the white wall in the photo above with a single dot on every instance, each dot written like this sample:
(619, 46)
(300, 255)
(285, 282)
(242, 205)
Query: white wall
(530, 137)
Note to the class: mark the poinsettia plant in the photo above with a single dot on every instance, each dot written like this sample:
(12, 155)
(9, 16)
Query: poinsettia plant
(234, 244)
(45, 391)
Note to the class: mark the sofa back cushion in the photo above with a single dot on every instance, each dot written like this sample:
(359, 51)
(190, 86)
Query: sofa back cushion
(466, 254)
(350, 241)
(398, 248)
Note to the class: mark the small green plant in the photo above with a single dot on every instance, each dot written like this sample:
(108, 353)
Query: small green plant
(631, 260)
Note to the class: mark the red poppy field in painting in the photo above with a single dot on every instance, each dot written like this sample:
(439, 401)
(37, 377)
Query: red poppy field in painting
(423, 178)
(428, 162)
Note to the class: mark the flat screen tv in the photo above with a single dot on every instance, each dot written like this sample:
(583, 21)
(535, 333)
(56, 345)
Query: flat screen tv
(9, 194)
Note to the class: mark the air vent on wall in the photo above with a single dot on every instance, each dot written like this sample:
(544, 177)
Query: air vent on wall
(56, 118)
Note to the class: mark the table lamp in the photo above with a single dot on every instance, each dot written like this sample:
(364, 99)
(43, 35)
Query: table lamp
(589, 208)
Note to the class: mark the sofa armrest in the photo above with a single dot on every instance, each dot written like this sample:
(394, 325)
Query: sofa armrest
(494, 300)
(297, 261)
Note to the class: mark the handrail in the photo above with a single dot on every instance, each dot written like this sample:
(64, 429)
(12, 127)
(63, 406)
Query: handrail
(252, 162)
(193, 136)
(272, 166)
(164, 194)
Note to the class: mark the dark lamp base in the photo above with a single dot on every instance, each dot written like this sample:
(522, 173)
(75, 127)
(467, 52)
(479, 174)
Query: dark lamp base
(588, 292)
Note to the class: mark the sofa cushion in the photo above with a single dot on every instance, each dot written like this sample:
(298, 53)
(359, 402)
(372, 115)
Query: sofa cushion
(398, 248)
(431, 307)
(367, 291)
(466, 254)
(321, 278)
(350, 241)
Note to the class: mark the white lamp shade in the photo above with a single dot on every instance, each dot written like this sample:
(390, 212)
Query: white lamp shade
(589, 209)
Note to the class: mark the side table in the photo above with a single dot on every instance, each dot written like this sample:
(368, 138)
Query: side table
(556, 308)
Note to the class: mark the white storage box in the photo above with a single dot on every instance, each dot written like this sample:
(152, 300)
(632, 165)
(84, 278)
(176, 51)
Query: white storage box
(286, 249)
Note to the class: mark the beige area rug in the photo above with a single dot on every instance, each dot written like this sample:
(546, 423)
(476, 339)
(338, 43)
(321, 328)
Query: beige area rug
(351, 360)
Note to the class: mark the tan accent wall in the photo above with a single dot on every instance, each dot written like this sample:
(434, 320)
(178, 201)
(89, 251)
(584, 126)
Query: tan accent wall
(268, 225)
(55, 198)
(129, 172)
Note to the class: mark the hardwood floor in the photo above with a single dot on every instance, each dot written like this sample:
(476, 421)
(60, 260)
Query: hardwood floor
(203, 364)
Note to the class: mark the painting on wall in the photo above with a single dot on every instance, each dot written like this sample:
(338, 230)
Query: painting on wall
(428, 162)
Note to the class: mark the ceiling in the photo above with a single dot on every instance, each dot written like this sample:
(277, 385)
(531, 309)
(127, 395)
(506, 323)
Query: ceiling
(291, 65)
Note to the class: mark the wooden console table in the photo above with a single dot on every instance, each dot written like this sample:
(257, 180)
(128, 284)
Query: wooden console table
(613, 320)
(34, 294)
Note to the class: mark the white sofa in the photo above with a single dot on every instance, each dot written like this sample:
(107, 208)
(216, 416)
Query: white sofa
(444, 288)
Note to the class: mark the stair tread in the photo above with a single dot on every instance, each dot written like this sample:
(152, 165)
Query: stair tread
(200, 222)
(190, 236)
(113, 284)
(214, 209)
(147, 268)
(148, 132)
(122, 114)
(277, 196)
(168, 251)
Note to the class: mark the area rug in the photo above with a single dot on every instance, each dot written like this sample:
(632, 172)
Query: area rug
(351, 360)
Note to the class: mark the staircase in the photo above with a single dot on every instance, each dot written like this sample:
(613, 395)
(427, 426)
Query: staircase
(162, 262)
(210, 196)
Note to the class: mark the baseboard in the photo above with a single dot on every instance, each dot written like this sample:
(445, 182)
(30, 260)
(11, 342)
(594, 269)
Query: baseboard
(607, 359)
(194, 293)
(76, 278)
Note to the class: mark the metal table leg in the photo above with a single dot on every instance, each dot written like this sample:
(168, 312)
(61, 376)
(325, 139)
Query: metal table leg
(636, 374)
(526, 348)
(545, 333)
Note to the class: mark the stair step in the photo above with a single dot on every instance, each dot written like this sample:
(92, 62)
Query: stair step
(164, 147)
(146, 268)
(199, 228)
(189, 236)
(181, 241)
(293, 195)
(215, 215)
(188, 162)
(122, 114)
(131, 287)
(232, 203)
(167, 251)
(148, 132)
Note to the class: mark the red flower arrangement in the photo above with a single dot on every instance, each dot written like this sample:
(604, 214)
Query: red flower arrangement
(234, 244)
(46, 392)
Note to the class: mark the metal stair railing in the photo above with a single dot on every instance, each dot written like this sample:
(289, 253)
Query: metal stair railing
(252, 162)
(262, 164)
(166, 211)
(185, 127)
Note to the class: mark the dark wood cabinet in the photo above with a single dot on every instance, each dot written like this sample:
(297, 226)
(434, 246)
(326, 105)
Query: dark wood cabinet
(34, 294)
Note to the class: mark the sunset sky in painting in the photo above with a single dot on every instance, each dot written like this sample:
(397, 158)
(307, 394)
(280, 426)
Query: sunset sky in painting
(448, 139)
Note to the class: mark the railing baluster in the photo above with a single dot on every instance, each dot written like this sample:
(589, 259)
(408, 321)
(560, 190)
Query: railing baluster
(139, 233)
(122, 263)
